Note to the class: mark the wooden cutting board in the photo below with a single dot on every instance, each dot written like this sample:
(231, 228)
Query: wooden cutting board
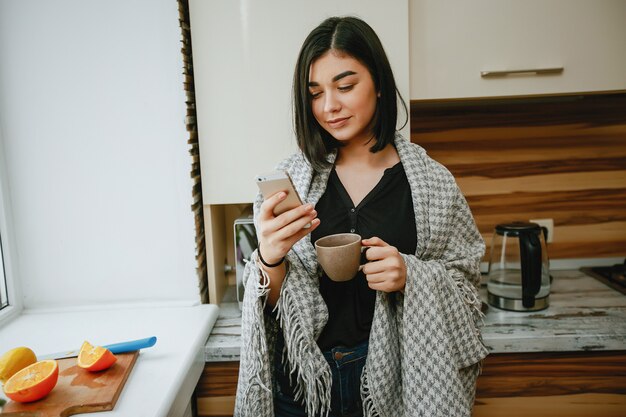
(78, 391)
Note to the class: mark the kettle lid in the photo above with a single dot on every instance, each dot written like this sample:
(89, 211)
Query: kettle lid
(515, 228)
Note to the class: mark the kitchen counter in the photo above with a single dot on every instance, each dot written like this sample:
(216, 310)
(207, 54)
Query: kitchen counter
(584, 315)
(164, 376)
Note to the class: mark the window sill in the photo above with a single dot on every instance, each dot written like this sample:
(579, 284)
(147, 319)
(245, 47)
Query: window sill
(166, 374)
(8, 314)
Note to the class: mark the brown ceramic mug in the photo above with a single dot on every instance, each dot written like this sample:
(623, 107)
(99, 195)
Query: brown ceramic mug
(340, 255)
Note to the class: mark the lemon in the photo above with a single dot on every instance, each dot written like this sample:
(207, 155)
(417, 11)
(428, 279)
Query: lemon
(15, 360)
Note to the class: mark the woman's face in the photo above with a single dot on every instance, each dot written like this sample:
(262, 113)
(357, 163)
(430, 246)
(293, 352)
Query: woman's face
(343, 96)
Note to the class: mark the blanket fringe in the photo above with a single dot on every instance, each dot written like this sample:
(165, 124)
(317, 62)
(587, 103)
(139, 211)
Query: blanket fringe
(369, 409)
(472, 298)
(263, 287)
(255, 364)
(312, 383)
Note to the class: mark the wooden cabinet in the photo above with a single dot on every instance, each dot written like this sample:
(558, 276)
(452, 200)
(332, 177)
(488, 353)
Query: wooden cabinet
(558, 384)
(553, 384)
(452, 42)
(215, 392)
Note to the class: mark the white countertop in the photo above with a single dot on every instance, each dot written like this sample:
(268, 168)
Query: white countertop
(163, 378)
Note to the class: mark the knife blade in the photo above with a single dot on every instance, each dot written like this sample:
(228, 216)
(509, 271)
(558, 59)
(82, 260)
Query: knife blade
(121, 347)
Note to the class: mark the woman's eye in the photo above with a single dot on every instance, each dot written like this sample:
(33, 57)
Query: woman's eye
(345, 87)
(314, 95)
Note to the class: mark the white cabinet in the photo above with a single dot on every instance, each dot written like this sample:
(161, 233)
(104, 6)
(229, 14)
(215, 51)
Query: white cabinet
(453, 41)
(244, 55)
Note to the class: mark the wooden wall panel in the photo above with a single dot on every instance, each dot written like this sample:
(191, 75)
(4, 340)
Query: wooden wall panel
(530, 158)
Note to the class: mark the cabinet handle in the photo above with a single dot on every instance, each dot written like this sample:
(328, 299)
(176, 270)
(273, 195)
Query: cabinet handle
(535, 71)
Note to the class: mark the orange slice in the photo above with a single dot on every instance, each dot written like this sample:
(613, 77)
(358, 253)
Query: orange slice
(33, 382)
(95, 358)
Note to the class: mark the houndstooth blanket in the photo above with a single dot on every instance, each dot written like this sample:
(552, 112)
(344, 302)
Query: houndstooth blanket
(425, 346)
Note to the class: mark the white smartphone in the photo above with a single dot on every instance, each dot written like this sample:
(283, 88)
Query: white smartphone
(277, 181)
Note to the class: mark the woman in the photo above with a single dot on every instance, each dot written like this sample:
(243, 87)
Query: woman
(401, 338)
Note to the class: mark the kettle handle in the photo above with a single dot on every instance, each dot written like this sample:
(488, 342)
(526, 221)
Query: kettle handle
(530, 251)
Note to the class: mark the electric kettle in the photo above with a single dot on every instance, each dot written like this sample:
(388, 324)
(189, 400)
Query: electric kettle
(518, 278)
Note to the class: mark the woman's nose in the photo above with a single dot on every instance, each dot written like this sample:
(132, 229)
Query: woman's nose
(331, 104)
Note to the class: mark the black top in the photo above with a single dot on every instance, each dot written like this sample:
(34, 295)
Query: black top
(386, 212)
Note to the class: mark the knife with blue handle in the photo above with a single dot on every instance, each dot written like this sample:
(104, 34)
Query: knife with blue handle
(115, 348)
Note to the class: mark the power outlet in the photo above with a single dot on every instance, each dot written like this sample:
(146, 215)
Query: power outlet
(548, 224)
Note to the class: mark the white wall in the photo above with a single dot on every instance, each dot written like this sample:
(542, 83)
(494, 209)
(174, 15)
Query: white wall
(92, 107)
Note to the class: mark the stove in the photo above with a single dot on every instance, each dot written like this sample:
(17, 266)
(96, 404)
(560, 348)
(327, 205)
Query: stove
(613, 276)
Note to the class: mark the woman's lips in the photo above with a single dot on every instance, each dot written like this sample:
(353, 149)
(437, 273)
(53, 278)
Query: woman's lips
(339, 122)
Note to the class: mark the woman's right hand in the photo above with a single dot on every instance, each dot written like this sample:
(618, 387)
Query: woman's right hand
(277, 234)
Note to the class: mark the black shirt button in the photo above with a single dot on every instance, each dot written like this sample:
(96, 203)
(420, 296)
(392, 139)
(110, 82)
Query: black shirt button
(351, 230)
(352, 210)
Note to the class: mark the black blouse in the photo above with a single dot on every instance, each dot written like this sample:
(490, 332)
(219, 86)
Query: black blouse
(386, 212)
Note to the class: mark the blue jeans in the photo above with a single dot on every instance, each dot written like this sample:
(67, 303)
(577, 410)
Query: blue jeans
(346, 365)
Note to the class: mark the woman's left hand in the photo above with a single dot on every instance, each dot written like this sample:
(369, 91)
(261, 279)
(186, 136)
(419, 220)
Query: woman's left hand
(386, 270)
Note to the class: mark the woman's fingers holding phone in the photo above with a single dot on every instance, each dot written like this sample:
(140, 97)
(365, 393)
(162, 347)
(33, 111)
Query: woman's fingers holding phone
(297, 227)
(277, 234)
(266, 211)
(303, 231)
(290, 216)
(273, 248)
(269, 223)
(276, 243)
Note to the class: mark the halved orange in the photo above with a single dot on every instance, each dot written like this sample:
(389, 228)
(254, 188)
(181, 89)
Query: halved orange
(15, 360)
(33, 382)
(95, 358)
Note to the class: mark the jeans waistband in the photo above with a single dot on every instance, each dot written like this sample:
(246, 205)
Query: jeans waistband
(342, 355)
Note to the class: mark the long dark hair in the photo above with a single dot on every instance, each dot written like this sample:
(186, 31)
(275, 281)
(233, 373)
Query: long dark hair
(357, 39)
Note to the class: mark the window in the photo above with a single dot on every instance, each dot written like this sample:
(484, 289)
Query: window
(3, 280)
(4, 299)
(8, 295)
